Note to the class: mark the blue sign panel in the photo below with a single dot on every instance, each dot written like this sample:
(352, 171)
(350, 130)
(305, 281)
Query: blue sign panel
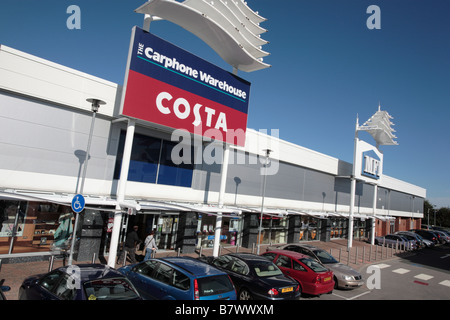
(78, 203)
(371, 165)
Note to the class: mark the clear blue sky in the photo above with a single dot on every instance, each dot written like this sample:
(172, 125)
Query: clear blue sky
(327, 67)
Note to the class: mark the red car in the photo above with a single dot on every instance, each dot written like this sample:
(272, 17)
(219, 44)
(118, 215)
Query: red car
(313, 277)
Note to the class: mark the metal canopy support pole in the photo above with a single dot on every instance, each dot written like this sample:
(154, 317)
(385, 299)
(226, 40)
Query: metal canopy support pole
(352, 190)
(262, 201)
(223, 182)
(121, 192)
(372, 232)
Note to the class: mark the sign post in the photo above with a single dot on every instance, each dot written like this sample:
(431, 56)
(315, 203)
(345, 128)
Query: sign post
(78, 203)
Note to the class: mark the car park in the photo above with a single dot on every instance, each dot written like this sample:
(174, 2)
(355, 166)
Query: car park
(79, 282)
(427, 234)
(412, 236)
(313, 277)
(395, 240)
(3, 289)
(179, 278)
(256, 277)
(345, 277)
(442, 236)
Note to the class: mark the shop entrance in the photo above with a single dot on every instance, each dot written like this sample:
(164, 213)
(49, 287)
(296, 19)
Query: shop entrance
(165, 226)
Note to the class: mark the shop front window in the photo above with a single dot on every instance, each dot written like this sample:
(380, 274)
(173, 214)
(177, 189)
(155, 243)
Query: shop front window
(310, 228)
(206, 231)
(34, 226)
(274, 230)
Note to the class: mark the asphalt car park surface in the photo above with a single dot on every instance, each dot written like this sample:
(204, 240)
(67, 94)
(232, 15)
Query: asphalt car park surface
(426, 271)
(419, 275)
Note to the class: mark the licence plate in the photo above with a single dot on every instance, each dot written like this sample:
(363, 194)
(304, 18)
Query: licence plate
(327, 279)
(284, 290)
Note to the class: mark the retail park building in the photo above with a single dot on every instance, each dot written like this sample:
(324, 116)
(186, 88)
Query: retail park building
(45, 122)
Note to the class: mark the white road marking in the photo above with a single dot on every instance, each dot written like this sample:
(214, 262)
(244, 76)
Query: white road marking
(401, 271)
(445, 283)
(423, 276)
(382, 265)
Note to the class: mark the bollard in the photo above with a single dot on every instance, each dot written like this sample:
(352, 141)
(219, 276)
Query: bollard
(201, 250)
(178, 252)
(253, 247)
(124, 262)
(94, 257)
(340, 251)
(364, 255)
(348, 257)
(50, 266)
(237, 248)
(376, 253)
(220, 250)
(356, 256)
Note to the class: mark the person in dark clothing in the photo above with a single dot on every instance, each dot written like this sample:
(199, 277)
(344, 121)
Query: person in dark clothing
(130, 245)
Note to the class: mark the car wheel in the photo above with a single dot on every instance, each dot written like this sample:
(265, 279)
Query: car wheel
(245, 295)
(336, 285)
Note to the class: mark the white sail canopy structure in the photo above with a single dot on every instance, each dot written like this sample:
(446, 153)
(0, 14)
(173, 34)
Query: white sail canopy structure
(379, 127)
(230, 28)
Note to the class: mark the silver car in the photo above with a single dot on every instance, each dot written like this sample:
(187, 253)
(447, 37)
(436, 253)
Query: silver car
(345, 277)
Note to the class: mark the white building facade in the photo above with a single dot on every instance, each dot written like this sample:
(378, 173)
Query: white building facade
(45, 124)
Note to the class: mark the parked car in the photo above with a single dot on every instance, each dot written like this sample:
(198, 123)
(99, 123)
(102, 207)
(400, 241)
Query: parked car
(426, 234)
(412, 236)
(313, 277)
(345, 277)
(442, 236)
(79, 282)
(179, 278)
(392, 240)
(3, 289)
(256, 277)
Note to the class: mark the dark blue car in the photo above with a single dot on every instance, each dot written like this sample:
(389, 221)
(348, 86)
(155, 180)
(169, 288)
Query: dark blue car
(79, 282)
(179, 278)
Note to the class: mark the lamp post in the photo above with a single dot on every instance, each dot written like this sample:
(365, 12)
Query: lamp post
(95, 105)
(268, 151)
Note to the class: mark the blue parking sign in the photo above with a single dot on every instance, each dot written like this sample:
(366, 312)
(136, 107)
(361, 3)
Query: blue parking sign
(78, 203)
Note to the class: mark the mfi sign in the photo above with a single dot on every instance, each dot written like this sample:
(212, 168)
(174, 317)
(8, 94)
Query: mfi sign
(171, 87)
(371, 165)
(369, 162)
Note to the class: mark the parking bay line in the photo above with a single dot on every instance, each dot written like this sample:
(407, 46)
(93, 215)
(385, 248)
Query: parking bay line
(351, 298)
(445, 283)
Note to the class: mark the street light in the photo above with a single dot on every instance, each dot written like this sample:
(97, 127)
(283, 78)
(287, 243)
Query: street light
(95, 105)
(268, 151)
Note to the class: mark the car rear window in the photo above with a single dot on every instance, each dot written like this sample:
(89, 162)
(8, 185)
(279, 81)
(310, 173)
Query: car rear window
(213, 285)
(315, 266)
(266, 269)
(109, 289)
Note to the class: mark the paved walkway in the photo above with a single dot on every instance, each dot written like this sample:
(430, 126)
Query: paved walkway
(360, 254)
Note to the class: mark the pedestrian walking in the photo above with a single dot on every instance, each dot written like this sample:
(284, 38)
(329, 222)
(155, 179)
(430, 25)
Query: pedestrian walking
(130, 245)
(150, 245)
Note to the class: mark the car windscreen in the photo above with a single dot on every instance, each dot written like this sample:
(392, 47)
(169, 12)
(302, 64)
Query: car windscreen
(213, 285)
(110, 289)
(265, 269)
(313, 265)
(325, 257)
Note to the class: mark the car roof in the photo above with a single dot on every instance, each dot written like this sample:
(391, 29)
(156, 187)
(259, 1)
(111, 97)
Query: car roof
(92, 271)
(248, 257)
(192, 266)
(289, 253)
(304, 245)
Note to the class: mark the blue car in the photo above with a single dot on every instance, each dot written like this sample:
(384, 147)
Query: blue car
(79, 282)
(179, 278)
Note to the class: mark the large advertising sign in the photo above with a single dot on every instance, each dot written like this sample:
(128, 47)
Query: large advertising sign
(169, 86)
(369, 162)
